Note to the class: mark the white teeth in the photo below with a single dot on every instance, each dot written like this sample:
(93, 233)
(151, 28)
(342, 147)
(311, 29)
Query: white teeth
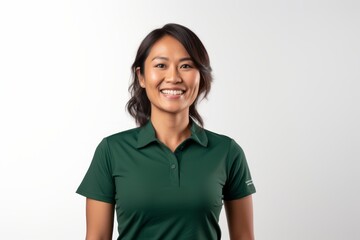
(172, 92)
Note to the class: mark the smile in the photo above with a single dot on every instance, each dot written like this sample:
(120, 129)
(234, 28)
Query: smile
(172, 92)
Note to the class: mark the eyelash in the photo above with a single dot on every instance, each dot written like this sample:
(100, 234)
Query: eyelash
(187, 66)
(160, 65)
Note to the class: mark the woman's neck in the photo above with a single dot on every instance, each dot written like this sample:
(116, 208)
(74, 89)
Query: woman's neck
(171, 129)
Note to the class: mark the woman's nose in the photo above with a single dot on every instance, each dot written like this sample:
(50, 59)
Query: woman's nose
(173, 75)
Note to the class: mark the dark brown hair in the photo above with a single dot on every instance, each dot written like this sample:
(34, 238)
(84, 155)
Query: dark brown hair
(139, 105)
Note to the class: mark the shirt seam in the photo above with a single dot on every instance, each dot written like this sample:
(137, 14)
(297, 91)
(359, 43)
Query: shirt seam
(110, 156)
(227, 162)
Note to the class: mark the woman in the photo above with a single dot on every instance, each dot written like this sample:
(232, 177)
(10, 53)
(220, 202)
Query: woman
(168, 178)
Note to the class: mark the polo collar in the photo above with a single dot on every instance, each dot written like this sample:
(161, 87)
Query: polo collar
(198, 134)
(147, 135)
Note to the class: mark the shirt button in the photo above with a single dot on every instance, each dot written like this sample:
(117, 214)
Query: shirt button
(173, 166)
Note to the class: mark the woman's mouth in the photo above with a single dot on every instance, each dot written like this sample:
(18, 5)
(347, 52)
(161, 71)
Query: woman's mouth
(172, 92)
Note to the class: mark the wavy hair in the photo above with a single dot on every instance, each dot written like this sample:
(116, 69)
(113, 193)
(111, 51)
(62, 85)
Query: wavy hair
(139, 105)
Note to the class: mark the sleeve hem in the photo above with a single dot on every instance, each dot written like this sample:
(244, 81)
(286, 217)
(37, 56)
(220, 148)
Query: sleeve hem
(95, 196)
(238, 196)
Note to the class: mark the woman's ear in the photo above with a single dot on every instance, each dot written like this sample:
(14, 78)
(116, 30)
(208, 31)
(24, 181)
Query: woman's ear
(140, 77)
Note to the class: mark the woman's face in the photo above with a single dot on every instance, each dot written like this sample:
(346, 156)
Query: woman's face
(170, 78)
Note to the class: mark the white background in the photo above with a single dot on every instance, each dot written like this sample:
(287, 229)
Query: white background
(286, 89)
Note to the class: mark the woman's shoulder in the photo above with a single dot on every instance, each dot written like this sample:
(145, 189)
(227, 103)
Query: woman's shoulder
(123, 136)
(216, 138)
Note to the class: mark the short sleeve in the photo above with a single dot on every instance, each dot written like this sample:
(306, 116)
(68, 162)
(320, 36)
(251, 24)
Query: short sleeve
(239, 183)
(98, 182)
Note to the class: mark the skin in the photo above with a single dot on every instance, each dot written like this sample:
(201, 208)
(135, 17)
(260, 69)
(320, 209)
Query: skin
(239, 214)
(169, 67)
(99, 220)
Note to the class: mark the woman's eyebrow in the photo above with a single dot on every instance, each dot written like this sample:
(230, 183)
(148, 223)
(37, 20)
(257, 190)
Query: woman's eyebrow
(167, 59)
(161, 58)
(185, 59)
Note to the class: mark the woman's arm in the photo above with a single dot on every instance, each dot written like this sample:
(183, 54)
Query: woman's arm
(239, 214)
(99, 220)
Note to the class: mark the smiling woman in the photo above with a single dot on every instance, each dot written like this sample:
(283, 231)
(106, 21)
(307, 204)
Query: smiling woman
(192, 54)
(170, 78)
(169, 177)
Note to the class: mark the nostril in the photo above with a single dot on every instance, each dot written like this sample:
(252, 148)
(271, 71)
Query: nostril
(173, 79)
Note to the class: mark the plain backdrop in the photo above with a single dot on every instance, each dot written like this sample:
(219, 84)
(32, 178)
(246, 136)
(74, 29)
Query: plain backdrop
(286, 88)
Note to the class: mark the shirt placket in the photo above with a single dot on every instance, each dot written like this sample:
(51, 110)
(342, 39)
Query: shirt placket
(174, 165)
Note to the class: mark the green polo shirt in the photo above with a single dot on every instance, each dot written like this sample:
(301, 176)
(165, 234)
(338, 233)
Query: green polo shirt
(160, 194)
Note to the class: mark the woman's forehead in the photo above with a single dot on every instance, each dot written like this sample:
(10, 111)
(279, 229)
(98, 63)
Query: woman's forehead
(166, 47)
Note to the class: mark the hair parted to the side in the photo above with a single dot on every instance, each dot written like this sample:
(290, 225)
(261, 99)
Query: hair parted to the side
(139, 105)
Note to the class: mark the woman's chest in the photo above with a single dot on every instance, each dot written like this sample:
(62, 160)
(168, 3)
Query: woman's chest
(163, 180)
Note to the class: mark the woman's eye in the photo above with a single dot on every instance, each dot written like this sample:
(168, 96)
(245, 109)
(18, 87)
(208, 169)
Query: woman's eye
(186, 66)
(160, 65)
